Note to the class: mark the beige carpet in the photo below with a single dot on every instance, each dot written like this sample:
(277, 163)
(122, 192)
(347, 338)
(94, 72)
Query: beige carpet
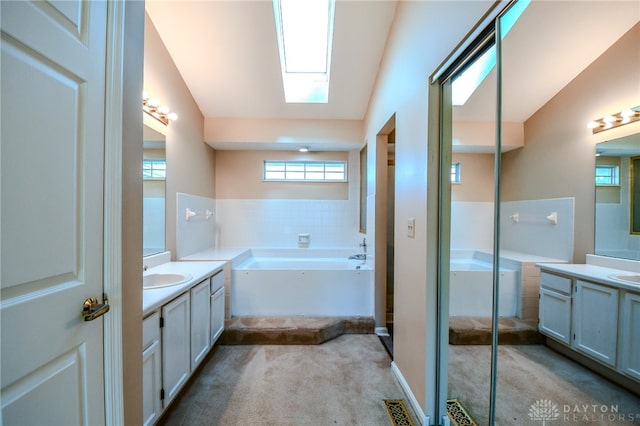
(531, 373)
(341, 382)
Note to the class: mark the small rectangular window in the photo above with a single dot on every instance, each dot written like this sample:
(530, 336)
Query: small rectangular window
(607, 175)
(154, 169)
(310, 171)
(455, 172)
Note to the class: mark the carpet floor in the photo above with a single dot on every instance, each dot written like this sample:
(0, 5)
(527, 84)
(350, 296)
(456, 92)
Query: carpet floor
(346, 380)
(528, 374)
(340, 382)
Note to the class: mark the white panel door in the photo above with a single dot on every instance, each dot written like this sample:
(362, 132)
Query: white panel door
(52, 140)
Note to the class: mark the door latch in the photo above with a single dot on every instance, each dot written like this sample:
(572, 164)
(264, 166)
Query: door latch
(91, 309)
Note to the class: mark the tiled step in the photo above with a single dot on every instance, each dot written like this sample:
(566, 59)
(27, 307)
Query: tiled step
(477, 331)
(300, 330)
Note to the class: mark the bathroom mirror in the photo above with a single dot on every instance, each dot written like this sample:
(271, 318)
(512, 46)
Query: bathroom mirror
(617, 224)
(154, 173)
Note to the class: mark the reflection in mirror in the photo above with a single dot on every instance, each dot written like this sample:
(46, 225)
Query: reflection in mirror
(617, 209)
(154, 175)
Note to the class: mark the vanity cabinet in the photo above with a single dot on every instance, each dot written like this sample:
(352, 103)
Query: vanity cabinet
(595, 319)
(200, 323)
(592, 318)
(176, 336)
(151, 386)
(176, 345)
(630, 335)
(555, 307)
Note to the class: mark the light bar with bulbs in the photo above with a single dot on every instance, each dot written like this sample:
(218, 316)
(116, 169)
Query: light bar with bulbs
(160, 112)
(612, 121)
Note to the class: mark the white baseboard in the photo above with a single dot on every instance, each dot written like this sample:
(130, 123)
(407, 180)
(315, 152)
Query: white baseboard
(381, 331)
(407, 391)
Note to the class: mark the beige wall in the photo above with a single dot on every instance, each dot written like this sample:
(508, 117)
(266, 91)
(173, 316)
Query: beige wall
(421, 36)
(239, 176)
(558, 159)
(190, 162)
(131, 259)
(476, 178)
(253, 133)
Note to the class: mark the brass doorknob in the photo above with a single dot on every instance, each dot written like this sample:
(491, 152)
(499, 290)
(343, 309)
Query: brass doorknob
(91, 309)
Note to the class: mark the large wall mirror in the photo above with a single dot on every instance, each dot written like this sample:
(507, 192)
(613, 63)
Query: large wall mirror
(617, 225)
(154, 171)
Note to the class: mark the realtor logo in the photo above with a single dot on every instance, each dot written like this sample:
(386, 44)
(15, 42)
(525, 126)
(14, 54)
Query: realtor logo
(544, 410)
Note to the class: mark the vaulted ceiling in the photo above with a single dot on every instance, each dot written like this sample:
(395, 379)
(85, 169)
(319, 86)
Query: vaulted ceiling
(227, 54)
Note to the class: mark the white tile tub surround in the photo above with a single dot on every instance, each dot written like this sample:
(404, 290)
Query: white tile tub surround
(277, 222)
(533, 233)
(472, 227)
(197, 233)
(612, 232)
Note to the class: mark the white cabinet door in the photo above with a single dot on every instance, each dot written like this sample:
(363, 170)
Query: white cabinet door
(52, 114)
(630, 335)
(217, 314)
(176, 362)
(151, 402)
(199, 322)
(151, 369)
(555, 315)
(596, 321)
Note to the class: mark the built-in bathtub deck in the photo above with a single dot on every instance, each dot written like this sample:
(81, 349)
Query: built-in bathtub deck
(477, 331)
(297, 330)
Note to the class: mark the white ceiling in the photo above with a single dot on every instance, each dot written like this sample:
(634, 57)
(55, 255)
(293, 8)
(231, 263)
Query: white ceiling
(552, 42)
(226, 52)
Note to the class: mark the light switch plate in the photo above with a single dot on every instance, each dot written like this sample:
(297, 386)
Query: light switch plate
(411, 227)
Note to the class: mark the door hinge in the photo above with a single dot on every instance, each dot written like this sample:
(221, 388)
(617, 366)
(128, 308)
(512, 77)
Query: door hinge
(574, 336)
(162, 394)
(161, 322)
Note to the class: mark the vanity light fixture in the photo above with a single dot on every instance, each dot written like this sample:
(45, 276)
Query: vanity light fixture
(160, 112)
(612, 121)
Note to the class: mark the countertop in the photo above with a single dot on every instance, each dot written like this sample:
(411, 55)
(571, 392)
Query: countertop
(230, 254)
(154, 298)
(593, 273)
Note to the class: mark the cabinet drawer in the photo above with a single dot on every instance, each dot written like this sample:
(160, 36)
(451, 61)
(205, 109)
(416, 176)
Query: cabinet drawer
(217, 282)
(150, 330)
(555, 282)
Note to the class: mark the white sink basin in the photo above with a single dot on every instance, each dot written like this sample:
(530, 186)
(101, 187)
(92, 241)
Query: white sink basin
(163, 280)
(633, 279)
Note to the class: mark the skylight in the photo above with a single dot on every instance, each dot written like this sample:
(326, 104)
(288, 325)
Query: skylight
(305, 35)
(466, 83)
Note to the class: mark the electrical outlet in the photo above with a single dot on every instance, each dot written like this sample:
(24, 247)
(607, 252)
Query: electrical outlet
(411, 227)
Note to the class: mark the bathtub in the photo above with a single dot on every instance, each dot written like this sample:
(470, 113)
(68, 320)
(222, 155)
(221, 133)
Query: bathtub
(470, 289)
(292, 285)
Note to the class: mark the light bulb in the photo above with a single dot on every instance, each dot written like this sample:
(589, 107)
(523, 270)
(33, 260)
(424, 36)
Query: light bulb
(172, 116)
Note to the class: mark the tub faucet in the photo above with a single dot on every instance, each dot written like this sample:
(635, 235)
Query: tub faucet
(363, 244)
(361, 256)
